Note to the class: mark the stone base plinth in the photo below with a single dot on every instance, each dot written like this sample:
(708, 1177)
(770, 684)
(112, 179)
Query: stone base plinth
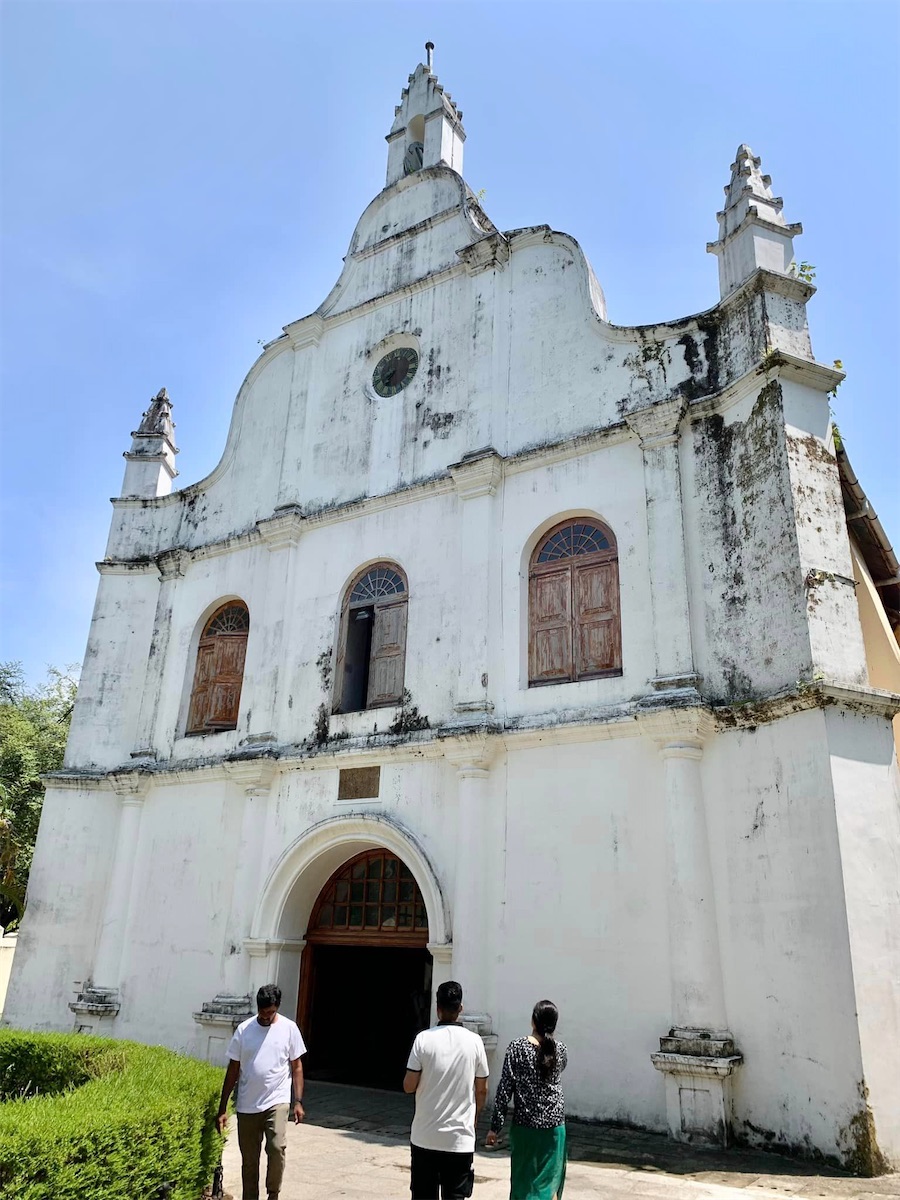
(698, 1064)
(219, 1018)
(95, 1008)
(483, 1025)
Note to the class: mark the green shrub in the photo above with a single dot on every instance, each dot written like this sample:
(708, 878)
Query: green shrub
(103, 1119)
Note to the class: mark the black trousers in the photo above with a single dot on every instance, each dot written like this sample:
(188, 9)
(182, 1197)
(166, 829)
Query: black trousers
(433, 1169)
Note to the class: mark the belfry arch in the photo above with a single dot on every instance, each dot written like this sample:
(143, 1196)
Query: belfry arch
(353, 914)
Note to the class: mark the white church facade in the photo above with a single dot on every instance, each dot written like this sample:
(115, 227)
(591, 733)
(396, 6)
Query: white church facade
(509, 645)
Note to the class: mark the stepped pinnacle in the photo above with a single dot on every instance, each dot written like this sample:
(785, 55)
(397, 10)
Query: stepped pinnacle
(752, 230)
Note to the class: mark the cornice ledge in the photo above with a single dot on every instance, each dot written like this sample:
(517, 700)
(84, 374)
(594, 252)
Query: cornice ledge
(667, 724)
(862, 699)
(489, 253)
(411, 231)
(283, 529)
(531, 457)
(255, 775)
(340, 316)
(127, 566)
(778, 705)
(764, 280)
(172, 564)
(474, 751)
(801, 370)
(477, 474)
(572, 725)
(75, 780)
(657, 424)
(305, 332)
(752, 217)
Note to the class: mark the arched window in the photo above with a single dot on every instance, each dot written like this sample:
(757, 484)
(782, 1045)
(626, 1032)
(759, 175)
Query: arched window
(574, 630)
(371, 656)
(374, 898)
(216, 694)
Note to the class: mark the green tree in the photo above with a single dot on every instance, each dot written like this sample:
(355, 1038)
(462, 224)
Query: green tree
(34, 725)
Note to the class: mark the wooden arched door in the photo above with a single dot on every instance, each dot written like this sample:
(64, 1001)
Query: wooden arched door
(365, 976)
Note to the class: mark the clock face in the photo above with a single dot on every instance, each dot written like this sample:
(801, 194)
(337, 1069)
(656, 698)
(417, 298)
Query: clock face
(395, 371)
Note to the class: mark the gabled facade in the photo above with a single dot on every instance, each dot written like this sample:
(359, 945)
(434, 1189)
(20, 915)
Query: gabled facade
(503, 644)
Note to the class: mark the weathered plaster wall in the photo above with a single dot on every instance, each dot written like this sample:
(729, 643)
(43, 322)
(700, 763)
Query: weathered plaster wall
(749, 617)
(867, 807)
(706, 451)
(785, 952)
(581, 918)
(66, 892)
(105, 719)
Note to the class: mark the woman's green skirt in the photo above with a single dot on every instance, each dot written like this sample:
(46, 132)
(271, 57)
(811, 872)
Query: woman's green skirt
(538, 1170)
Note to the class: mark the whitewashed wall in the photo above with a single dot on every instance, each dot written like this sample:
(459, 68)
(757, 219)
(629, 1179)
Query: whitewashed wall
(741, 523)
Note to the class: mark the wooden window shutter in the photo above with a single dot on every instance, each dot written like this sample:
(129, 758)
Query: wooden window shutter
(550, 634)
(219, 672)
(203, 675)
(387, 659)
(225, 689)
(598, 640)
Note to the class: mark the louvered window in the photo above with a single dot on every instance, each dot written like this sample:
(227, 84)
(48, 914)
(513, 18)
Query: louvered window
(219, 672)
(573, 601)
(371, 658)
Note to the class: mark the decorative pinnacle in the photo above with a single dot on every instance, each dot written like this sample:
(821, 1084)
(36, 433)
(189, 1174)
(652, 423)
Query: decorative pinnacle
(753, 233)
(157, 420)
(429, 57)
(750, 192)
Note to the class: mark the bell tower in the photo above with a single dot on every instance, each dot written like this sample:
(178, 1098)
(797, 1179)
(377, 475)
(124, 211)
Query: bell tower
(427, 129)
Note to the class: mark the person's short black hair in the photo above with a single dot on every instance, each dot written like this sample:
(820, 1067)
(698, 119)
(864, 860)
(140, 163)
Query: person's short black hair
(449, 997)
(268, 994)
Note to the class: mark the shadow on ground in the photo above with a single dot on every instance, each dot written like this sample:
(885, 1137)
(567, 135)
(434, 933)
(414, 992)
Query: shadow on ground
(385, 1117)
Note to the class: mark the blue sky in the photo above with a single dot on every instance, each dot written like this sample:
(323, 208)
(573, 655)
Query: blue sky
(181, 180)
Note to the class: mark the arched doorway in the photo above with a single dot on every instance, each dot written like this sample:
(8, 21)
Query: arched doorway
(365, 978)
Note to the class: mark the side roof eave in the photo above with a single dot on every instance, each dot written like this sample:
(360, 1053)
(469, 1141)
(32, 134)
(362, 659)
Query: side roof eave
(871, 538)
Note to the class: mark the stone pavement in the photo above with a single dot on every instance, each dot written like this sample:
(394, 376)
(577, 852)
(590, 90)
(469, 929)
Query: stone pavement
(354, 1143)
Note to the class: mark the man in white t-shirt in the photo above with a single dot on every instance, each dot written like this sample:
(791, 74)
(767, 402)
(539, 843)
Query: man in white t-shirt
(448, 1072)
(265, 1064)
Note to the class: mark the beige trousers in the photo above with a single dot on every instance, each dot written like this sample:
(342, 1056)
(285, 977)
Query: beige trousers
(252, 1127)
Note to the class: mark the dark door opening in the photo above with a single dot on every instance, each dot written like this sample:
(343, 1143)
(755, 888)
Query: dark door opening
(367, 1005)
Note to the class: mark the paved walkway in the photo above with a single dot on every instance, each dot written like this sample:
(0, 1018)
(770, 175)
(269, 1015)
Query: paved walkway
(354, 1143)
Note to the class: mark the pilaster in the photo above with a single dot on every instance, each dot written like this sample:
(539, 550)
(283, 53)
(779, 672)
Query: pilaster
(254, 777)
(172, 565)
(472, 758)
(477, 479)
(657, 428)
(697, 1054)
(281, 534)
(100, 996)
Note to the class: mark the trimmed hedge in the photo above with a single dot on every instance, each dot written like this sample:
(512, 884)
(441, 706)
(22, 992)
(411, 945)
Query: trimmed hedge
(90, 1117)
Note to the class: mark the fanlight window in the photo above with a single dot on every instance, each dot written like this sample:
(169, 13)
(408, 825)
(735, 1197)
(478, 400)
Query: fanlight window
(376, 584)
(372, 897)
(219, 673)
(371, 659)
(574, 628)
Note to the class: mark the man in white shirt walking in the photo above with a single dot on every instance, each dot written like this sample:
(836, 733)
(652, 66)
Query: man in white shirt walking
(265, 1064)
(448, 1072)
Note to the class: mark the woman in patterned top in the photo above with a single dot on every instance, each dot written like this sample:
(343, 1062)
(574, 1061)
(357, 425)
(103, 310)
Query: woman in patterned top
(537, 1136)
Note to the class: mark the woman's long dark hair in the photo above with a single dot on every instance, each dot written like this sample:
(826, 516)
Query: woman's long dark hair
(544, 1018)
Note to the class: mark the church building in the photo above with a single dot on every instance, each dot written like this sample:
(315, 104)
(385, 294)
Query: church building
(509, 645)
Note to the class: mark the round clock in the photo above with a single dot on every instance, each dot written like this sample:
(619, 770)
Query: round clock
(395, 371)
